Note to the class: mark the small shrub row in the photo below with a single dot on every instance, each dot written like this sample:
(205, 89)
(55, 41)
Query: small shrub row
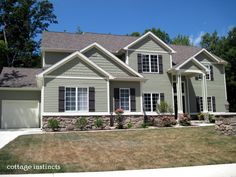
(81, 123)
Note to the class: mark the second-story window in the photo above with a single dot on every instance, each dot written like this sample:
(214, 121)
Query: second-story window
(150, 63)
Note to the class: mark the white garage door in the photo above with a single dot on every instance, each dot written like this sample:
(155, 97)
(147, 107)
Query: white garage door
(20, 114)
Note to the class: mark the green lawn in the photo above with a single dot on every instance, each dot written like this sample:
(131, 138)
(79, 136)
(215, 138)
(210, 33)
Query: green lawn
(120, 150)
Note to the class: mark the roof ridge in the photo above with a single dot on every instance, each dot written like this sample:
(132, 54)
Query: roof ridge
(125, 35)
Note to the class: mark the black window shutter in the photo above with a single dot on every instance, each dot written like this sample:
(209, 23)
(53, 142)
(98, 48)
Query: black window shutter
(61, 99)
(198, 103)
(214, 104)
(211, 73)
(132, 99)
(160, 64)
(162, 97)
(91, 99)
(140, 68)
(117, 98)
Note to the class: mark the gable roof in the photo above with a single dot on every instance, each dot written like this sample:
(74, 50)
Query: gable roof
(113, 57)
(155, 38)
(19, 77)
(69, 58)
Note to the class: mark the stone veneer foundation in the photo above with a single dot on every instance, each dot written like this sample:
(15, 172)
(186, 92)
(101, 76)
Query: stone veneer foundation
(67, 123)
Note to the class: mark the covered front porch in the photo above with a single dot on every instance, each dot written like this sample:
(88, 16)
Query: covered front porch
(183, 96)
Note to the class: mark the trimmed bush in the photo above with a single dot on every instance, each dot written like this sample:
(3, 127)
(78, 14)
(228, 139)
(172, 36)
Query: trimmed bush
(81, 123)
(53, 124)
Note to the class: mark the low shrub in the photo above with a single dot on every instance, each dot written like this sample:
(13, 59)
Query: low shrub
(81, 123)
(166, 121)
(200, 116)
(184, 120)
(211, 118)
(53, 124)
(98, 123)
(144, 125)
(129, 124)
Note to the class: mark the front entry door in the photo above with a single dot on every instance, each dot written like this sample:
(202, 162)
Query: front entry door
(183, 98)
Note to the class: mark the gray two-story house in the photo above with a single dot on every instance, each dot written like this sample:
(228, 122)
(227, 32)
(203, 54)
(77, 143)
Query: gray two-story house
(93, 74)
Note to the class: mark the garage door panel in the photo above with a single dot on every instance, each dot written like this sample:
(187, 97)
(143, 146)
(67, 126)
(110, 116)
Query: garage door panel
(20, 114)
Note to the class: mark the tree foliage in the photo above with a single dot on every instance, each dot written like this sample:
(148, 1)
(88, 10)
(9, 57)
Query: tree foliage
(137, 34)
(224, 47)
(164, 36)
(181, 40)
(20, 23)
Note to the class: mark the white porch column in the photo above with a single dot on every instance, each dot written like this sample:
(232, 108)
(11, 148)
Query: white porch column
(204, 93)
(179, 93)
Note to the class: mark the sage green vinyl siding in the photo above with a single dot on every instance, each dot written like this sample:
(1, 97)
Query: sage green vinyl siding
(76, 68)
(124, 84)
(156, 83)
(51, 92)
(214, 88)
(191, 65)
(147, 44)
(53, 57)
(18, 95)
(106, 63)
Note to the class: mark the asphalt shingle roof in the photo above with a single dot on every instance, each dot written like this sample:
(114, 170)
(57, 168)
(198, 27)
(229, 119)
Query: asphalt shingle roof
(19, 77)
(113, 43)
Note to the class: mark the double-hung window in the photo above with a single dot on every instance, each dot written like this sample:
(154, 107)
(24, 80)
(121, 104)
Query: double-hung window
(150, 63)
(150, 101)
(70, 99)
(125, 99)
(76, 99)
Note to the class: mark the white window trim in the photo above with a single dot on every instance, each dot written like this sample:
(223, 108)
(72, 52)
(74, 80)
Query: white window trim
(120, 99)
(149, 61)
(151, 100)
(76, 100)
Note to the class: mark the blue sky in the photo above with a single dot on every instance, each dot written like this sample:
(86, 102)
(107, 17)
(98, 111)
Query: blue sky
(192, 18)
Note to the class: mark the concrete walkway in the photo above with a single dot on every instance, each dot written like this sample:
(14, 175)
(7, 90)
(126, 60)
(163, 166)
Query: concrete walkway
(224, 170)
(8, 135)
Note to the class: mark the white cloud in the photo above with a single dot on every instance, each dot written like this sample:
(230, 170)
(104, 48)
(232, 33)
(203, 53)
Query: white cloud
(195, 40)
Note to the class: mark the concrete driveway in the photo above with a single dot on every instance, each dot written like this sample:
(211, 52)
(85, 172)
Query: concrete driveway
(7, 135)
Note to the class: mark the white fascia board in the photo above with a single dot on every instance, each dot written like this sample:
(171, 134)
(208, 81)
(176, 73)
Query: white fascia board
(204, 50)
(194, 60)
(112, 56)
(69, 58)
(154, 37)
